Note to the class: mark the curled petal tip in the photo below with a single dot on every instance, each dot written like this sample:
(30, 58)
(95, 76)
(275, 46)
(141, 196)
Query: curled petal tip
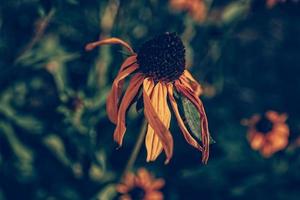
(167, 161)
(205, 160)
(119, 146)
(89, 47)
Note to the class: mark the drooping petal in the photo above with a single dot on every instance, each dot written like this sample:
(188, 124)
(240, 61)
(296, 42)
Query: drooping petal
(191, 82)
(158, 116)
(131, 92)
(192, 96)
(181, 124)
(159, 102)
(128, 62)
(114, 95)
(153, 144)
(112, 40)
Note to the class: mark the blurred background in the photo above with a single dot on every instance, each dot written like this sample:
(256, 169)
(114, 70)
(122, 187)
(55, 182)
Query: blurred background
(56, 140)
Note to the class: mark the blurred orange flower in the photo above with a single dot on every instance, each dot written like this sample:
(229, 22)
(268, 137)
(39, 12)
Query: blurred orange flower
(271, 3)
(269, 133)
(158, 70)
(196, 8)
(142, 186)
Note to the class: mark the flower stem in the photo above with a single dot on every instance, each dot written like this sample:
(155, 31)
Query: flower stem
(136, 150)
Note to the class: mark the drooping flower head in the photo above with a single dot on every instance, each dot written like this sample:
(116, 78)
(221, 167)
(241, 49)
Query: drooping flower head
(268, 133)
(158, 69)
(142, 186)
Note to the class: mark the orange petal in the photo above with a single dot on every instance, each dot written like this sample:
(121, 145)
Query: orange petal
(276, 117)
(92, 45)
(122, 188)
(159, 102)
(143, 177)
(114, 96)
(256, 140)
(125, 197)
(154, 195)
(267, 150)
(190, 94)
(158, 184)
(131, 92)
(154, 118)
(181, 124)
(192, 82)
(128, 62)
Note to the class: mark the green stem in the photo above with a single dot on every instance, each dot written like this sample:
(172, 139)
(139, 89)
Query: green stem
(135, 150)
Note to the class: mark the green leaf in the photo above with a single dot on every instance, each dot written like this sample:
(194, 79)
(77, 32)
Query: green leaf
(55, 144)
(235, 11)
(107, 193)
(191, 116)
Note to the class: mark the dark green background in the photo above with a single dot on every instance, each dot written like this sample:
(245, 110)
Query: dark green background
(55, 137)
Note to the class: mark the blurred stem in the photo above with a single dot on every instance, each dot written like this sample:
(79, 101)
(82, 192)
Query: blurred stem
(40, 28)
(106, 25)
(107, 20)
(135, 150)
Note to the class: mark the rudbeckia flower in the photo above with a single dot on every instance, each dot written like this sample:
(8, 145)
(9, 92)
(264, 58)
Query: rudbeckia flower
(158, 70)
(269, 133)
(142, 186)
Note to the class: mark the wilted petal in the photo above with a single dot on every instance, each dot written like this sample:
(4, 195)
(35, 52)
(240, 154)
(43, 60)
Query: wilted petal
(113, 98)
(92, 45)
(191, 82)
(159, 102)
(129, 95)
(181, 124)
(190, 94)
(158, 117)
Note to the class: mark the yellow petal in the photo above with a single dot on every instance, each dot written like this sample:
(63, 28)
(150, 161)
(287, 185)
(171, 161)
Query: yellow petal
(158, 116)
(159, 102)
(181, 124)
(153, 144)
(92, 45)
(114, 96)
(129, 95)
